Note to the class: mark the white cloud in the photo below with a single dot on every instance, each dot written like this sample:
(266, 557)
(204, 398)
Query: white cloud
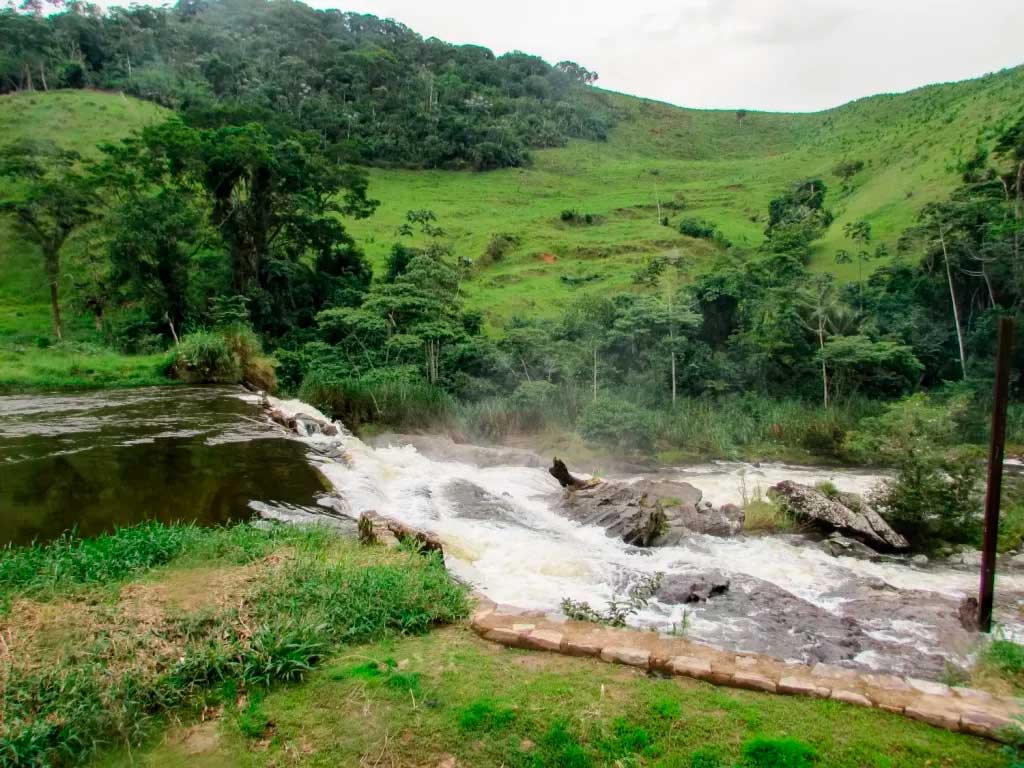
(761, 54)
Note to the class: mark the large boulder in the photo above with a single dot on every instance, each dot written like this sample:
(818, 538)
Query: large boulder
(858, 520)
(683, 588)
(649, 512)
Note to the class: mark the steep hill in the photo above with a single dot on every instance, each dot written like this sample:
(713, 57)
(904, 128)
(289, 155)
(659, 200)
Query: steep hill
(722, 166)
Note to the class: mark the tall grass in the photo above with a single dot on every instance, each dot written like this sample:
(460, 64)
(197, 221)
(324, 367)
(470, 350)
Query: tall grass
(742, 426)
(406, 403)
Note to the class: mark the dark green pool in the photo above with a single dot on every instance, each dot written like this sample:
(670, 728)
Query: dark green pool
(99, 460)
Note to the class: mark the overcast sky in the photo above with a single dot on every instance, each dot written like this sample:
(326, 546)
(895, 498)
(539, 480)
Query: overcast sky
(792, 55)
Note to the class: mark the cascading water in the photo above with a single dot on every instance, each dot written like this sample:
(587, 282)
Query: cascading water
(787, 597)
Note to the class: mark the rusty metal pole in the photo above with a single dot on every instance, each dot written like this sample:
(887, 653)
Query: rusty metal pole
(994, 487)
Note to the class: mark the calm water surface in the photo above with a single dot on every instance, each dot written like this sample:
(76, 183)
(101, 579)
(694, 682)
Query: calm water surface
(98, 460)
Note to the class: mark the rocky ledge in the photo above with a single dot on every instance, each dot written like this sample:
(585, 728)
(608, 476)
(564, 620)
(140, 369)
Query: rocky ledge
(846, 513)
(645, 513)
(956, 709)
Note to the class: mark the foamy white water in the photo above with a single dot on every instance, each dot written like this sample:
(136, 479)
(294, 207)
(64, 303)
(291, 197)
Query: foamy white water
(513, 547)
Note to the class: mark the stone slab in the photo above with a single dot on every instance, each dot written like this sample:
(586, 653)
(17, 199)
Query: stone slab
(634, 657)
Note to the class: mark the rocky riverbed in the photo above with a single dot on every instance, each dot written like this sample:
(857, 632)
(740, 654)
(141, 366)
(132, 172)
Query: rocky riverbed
(842, 593)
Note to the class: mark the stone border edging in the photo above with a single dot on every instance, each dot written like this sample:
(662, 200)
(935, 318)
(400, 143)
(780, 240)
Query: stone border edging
(965, 710)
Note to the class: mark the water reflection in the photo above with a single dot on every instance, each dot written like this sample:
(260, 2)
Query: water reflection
(105, 459)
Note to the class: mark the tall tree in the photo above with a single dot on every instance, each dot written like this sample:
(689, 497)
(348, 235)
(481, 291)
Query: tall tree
(49, 199)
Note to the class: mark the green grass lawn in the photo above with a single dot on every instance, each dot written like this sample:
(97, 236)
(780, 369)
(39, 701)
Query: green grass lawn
(452, 699)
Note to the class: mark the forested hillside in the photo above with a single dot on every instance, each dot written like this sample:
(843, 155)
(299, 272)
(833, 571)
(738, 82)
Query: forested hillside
(371, 88)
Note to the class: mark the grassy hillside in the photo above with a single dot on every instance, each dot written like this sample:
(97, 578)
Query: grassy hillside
(76, 120)
(715, 165)
(722, 166)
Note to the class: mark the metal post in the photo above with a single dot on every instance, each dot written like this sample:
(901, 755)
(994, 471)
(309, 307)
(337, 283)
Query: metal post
(995, 474)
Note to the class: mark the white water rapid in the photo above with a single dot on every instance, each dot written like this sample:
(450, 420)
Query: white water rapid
(787, 597)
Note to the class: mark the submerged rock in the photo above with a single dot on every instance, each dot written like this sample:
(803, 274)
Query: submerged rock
(859, 522)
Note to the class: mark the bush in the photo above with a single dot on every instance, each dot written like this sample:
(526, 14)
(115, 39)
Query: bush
(226, 356)
(699, 228)
(618, 424)
(934, 499)
(499, 245)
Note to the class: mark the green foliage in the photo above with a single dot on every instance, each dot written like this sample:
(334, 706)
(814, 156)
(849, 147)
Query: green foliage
(935, 494)
(70, 562)
(1007, 658)
(697, 228)
(395, 396)
(499, 246)
(372, 88)
(225, 356)
(619, 608)
(618, 424)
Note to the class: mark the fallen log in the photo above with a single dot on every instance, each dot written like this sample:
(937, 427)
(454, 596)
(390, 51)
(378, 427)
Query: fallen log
(377, 529)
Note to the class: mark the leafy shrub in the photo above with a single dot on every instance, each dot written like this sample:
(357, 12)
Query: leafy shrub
(935, 495)
(499, 245)
(697, 228)
(572, 216)
(226, 356)
(618, 424)
(618, 610)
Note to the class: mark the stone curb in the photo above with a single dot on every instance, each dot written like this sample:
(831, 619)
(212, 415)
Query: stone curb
(965, 710)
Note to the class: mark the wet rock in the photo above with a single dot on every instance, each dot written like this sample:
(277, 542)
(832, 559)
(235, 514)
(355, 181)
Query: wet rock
(649, 512)
(624, 511)
(919, 559)
(680, 589)
(1016, 561)
(473, 502)
(838, 545)
(970, 558)
(968, 614)
(862, 523)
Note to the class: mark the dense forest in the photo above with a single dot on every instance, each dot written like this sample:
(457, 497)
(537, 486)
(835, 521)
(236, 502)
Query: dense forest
(371, 90)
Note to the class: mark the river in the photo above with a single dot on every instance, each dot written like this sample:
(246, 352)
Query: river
(211, 455)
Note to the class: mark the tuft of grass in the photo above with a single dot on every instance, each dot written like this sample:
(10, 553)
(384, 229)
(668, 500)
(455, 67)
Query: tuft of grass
(485, 715)
(777, 753)
(766, 515)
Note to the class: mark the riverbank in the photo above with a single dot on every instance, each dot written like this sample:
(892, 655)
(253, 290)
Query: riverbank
(73, 366)
(175, 645)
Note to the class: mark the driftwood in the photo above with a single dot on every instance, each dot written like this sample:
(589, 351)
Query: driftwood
(561, 473)
(376, 529)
